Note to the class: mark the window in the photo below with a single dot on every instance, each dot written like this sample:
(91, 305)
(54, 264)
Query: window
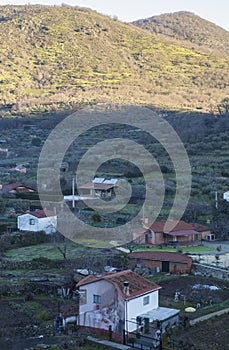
(31, 221)
(97, 299)
(83, 296)
(146, 300)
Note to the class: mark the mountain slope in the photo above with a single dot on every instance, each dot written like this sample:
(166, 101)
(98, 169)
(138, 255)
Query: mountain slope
(54, 57)
(189, 27)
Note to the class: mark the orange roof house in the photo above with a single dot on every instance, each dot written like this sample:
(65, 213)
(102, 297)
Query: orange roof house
(165, 232)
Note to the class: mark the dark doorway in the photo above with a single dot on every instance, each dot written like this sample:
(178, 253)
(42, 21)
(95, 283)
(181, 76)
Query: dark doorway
(165, 266)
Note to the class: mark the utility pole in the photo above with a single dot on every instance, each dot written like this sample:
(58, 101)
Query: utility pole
(73, 191)
(216, 199)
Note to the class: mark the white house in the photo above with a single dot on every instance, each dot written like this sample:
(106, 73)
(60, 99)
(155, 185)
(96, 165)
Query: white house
(38, 220)
(118, 299)
(226, 196)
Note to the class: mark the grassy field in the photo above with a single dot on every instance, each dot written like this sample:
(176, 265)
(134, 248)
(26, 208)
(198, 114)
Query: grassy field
(50, 250)
(188, 250)
(45, 250)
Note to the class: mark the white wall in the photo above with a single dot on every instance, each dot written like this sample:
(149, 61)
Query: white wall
(226, 196)
(113, 310)
(135, 307)
(88, 310)
(46, 224)
(110, 312)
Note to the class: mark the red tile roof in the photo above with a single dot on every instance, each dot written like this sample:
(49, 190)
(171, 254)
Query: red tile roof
(18, 187)
(138, 285)
(160, 256)
(41, 213)
(10, 187)
(199, 228)
(158, 226)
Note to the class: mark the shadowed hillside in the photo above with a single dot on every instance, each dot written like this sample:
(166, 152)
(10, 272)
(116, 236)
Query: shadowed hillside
(56, 57)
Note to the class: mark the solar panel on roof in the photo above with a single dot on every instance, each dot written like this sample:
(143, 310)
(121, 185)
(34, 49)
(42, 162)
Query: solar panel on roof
(110, 182)
(98, 180)
(114, 181)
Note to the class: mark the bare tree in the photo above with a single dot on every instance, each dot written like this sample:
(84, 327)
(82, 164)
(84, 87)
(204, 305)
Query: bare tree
(61, 243)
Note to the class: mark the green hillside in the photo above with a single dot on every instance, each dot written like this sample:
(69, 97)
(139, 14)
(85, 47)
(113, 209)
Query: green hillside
(56, 57)
(191, 28)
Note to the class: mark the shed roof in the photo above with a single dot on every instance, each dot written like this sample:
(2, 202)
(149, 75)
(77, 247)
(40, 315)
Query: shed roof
(160, 256)
(97, 186)
(160, 313)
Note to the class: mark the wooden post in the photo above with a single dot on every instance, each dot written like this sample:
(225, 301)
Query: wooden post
(110, 333)
(124, 337)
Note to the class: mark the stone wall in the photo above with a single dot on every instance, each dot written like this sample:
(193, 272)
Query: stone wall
(207, 317)
(210, 271)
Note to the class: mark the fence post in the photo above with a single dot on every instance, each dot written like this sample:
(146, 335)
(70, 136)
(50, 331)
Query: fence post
(110, 333)
(124, 337)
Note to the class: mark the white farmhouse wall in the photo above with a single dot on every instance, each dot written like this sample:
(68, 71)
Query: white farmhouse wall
(226, 196)
(135, 307)
(47, 224)
(110, 312)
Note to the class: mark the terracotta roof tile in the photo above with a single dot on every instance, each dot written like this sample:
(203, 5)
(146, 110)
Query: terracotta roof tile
(41, 213)
(138, 285)
(158, 226)
(19, 187)
(199, 227)
(160, 256)
(10, 187)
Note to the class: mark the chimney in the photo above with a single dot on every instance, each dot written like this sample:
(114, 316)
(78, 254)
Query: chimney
(126, 289)
(146, 220)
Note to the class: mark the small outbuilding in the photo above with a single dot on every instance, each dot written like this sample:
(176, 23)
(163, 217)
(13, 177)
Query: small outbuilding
(99, 187)
(203, 231)
(168, 262)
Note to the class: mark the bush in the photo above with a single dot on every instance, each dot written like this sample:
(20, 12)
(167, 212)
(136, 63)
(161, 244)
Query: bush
(179, 250)
(43, 316)
(36, 141)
